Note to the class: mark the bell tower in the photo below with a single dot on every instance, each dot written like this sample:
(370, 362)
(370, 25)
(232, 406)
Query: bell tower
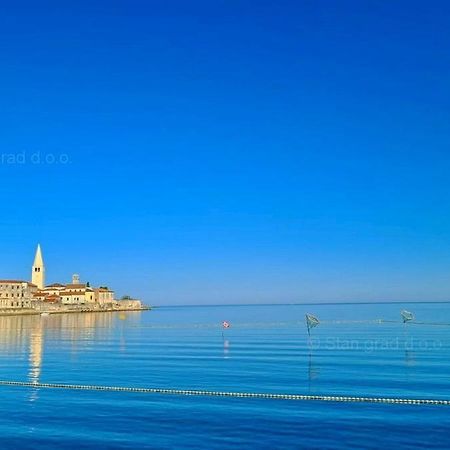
(38, 269)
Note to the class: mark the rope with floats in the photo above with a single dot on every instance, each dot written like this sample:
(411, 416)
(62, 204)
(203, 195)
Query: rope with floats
(256, 395)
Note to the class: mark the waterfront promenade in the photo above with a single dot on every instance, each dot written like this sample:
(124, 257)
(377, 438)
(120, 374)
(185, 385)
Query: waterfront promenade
(64, 309)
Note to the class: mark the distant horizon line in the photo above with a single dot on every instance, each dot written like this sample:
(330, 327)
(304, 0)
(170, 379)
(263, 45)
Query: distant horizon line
(299, 304)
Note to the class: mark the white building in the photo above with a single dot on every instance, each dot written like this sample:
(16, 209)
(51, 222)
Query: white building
(77, 293)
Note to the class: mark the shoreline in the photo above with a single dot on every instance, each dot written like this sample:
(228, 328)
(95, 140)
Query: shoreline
(34, 312)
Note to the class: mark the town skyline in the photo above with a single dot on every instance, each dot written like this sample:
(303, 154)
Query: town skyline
(36, 296)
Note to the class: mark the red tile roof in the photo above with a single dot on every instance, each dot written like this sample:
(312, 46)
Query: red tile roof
(39, 294)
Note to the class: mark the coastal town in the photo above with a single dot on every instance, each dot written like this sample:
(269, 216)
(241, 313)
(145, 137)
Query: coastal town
(35, 297)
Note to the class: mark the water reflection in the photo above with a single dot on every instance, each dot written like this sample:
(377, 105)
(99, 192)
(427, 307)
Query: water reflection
(36, 352)
(28, 335)
(410, 358)
(226, 348)
(313, 369)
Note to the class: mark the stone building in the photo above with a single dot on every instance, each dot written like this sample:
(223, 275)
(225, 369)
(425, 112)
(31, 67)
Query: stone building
(104, 296)
(16, 294)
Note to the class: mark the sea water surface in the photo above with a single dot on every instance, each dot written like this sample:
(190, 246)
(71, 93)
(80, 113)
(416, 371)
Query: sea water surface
(266, 349)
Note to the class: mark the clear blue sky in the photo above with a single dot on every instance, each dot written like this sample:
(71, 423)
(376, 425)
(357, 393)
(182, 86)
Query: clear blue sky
(229, 151)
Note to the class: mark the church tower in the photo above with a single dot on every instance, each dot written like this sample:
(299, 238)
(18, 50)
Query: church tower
(38, 269)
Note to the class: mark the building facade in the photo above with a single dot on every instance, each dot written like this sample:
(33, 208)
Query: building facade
(16, 294)
(104, 296)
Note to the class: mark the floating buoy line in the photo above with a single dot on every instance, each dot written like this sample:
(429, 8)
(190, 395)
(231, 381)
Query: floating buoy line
(256, 395)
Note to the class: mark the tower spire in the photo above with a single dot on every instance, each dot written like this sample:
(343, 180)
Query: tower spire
(38, 261)
(38, 269)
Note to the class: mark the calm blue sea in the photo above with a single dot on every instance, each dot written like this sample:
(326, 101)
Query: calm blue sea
(265, 350)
